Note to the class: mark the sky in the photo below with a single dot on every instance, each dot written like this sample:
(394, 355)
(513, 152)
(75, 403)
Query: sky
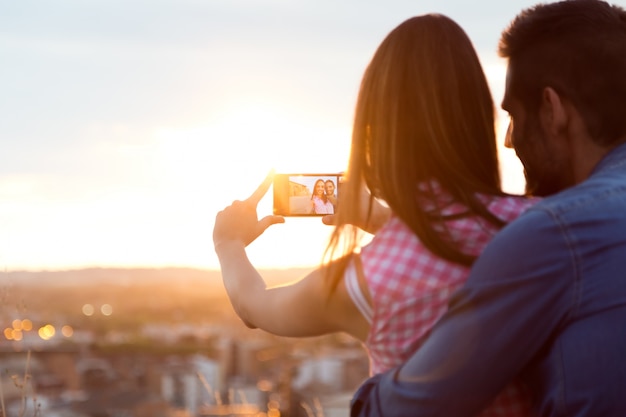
(126, 125)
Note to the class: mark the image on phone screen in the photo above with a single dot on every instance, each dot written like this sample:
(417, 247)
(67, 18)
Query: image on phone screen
(306, 194)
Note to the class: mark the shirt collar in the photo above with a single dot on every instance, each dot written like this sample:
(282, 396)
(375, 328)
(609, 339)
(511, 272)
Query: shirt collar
(614, 158)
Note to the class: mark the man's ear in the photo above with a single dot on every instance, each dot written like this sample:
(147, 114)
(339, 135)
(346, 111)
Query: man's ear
(553, 113)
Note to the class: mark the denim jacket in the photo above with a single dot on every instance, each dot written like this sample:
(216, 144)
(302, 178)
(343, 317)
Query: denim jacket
(546, 301)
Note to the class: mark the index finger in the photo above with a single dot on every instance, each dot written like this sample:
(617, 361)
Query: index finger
(258, 194)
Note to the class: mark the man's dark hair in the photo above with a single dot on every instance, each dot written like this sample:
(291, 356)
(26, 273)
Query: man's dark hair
(577, 47)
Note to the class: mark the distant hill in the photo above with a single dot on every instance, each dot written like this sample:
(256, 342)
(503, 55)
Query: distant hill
(138, 295)
(137, 276)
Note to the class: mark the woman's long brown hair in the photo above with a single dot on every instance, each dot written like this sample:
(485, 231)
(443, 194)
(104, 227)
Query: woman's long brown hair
(424, 116)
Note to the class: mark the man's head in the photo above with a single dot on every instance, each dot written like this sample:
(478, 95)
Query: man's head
(330, 188)
(545, 157)
(569, 56)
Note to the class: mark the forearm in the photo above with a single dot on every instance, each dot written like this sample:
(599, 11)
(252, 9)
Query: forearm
(243, 283)
(294, 310)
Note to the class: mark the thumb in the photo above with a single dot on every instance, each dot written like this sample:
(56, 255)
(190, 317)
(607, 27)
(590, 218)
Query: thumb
(267, 221)
(330, 220)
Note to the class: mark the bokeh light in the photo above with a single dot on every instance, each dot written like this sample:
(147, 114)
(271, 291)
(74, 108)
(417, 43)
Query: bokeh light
(264, 385)
(27, 325)
(67, 331)
(17, 329)
(47, 332)
(88, 310)
(106, 309)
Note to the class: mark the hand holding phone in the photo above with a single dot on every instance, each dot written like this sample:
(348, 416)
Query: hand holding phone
(239, 221)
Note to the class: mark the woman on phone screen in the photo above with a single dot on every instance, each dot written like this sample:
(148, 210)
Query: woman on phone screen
(423, 142)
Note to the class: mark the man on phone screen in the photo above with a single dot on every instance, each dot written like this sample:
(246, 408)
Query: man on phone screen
(329, 186)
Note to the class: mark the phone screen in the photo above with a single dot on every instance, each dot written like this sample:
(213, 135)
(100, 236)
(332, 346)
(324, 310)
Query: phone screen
(306, 194)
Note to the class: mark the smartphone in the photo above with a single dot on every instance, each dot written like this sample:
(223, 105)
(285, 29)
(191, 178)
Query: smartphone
(306, 194)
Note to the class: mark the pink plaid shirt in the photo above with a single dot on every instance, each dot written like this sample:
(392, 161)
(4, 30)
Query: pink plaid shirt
(410, 288)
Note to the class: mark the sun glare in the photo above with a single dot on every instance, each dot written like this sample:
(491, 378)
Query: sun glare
(229, 156)
(205, 168)
(255, 135)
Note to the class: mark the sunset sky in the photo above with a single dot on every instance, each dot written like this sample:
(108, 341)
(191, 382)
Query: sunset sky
(126, 125)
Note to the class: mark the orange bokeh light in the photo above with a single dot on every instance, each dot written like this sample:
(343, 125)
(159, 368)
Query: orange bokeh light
(67, 331)
(27, 325)
(8, 333)
(47, 332)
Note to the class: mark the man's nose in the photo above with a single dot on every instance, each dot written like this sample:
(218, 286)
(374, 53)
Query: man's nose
(508, 139)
